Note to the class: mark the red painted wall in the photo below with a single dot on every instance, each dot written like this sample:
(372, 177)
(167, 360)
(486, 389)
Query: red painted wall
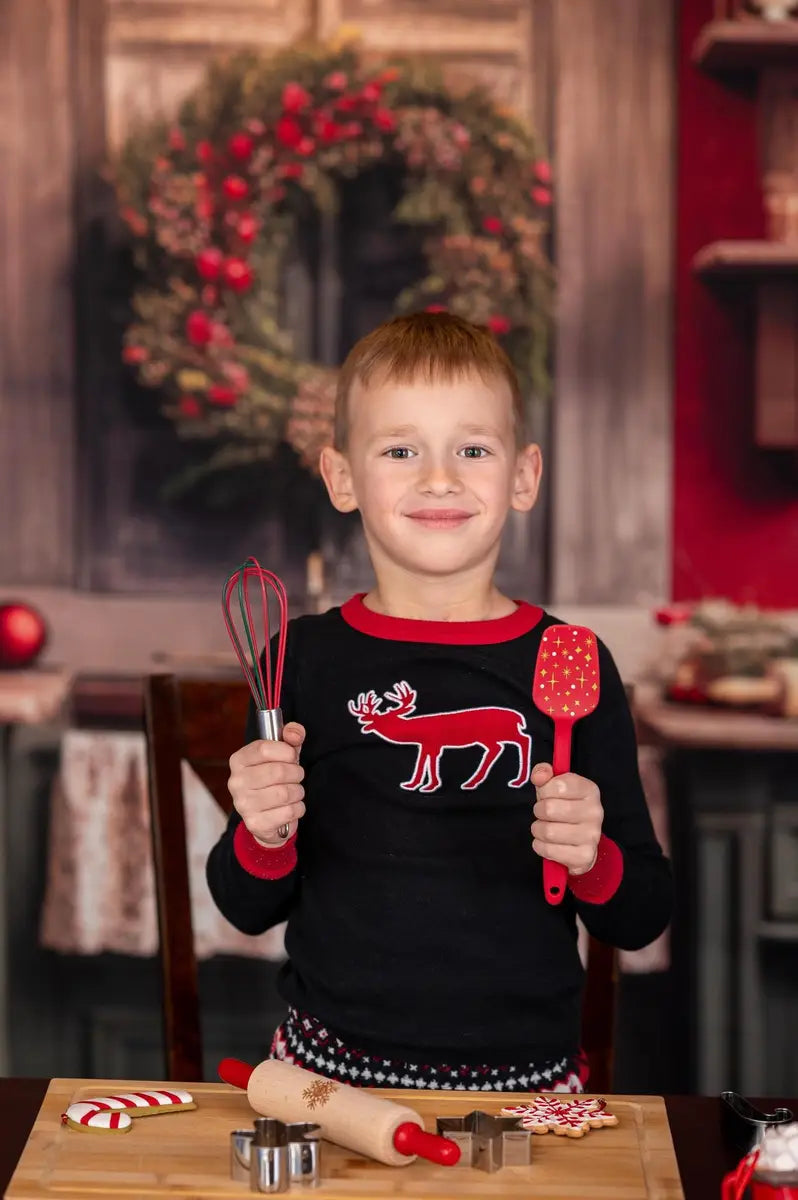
(735, 515)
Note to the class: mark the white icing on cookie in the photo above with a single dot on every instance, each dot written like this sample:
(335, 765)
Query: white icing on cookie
(566, 1118)
(112, 1114)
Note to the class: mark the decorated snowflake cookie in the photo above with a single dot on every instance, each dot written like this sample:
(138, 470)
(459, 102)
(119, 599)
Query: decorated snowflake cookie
(566, 1118)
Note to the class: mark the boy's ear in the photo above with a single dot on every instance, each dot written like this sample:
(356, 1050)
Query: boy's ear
(528, 472)
(337, 476)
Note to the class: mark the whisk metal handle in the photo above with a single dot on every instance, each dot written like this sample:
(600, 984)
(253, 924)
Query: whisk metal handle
(270, 728)
(270, 724)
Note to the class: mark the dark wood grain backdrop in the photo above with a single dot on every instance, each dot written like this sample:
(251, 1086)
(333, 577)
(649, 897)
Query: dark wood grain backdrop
(615, 161)
(598, 78)
(37, 362)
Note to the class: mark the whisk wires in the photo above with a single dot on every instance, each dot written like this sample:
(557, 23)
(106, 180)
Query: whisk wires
(264, 680)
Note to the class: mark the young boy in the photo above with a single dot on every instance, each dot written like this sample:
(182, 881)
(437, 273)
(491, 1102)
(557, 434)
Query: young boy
(421, 950)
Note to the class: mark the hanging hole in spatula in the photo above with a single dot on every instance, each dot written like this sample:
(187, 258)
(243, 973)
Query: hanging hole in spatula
(565, 688)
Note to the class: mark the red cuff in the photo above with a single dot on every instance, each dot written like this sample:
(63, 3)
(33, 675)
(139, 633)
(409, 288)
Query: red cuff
(263, 861)
(601, 882)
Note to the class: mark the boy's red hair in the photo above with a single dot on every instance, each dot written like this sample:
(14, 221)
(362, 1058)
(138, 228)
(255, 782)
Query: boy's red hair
(433, 346)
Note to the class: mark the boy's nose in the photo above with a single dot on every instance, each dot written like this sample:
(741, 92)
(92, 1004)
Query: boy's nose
(440, 481)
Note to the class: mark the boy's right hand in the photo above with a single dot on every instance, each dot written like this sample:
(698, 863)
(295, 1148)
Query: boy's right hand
(266, 785)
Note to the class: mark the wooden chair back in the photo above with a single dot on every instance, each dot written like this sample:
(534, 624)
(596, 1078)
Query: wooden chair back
(598, 1014)
(202, 722)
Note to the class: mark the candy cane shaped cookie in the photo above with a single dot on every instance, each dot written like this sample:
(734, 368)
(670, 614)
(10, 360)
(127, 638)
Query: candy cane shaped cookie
(112, 1114)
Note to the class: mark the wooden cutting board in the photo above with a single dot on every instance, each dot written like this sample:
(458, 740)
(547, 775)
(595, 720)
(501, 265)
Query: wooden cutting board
(187, 1154)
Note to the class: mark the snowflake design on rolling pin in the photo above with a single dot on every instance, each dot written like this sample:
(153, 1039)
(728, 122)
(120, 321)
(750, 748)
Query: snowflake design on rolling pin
(317, 1094)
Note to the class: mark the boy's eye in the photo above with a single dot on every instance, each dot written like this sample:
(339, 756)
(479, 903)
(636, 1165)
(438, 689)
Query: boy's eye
(399, 452)
(475, 452)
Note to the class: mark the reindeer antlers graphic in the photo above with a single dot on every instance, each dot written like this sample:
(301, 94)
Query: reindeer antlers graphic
(368, 705)
(403, 698)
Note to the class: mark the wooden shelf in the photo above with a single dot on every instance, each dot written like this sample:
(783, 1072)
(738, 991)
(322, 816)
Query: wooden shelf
(746, 258)
(695, 727)
(772, 270)
(746, 45)
(107, 701)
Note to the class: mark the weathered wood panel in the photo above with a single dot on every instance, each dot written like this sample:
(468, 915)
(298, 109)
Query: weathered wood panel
(156, 50)
(597, 78)
(614, 248)
(542, 69)
(36, 331)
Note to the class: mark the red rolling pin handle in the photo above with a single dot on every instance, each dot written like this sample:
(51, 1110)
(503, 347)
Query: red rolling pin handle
(235, 1072)
(408, 1139)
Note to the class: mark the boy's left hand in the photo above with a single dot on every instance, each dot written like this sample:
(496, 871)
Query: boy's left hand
(569, 816)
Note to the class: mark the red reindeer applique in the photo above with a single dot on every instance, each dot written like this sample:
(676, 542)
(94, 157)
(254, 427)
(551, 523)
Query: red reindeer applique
(490, 728)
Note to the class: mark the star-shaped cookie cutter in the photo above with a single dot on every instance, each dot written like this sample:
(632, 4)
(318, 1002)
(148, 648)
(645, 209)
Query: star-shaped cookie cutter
(487, 1142)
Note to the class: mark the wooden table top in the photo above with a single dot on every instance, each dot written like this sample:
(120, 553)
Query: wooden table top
(33, 696)
(694, 1121)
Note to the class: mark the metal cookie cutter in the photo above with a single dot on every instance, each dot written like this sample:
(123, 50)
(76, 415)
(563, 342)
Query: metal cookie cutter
(487, 1142)
(241, 1154)
(274, 1155)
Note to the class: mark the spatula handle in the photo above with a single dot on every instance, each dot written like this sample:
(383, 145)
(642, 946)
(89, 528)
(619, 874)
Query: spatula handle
(555, 878)
(561, 758)
(555, 875)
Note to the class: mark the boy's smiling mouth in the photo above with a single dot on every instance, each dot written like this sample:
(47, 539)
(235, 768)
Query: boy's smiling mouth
(440, 518)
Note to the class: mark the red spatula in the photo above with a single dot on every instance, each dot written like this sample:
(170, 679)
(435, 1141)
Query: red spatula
(565, 688)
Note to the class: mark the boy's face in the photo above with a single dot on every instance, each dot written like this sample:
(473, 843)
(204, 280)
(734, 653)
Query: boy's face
(434, 469)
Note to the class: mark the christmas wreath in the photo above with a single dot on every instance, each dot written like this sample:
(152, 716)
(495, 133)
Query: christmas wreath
(212, 202)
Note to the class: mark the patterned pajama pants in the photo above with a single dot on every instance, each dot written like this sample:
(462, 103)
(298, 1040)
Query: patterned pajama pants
(304, 1040)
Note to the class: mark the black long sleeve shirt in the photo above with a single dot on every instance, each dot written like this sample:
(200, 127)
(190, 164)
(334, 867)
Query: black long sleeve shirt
(417, 925)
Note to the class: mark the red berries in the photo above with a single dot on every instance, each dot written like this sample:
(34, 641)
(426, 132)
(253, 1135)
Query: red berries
(209, 264)
(199, 328)
(235, 188)
(237, 274)
(241, 146)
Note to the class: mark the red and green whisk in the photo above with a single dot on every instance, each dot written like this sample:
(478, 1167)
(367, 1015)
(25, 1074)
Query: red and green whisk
(262, 667)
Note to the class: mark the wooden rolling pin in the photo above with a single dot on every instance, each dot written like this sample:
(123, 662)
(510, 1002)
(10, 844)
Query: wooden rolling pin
(350, 1117)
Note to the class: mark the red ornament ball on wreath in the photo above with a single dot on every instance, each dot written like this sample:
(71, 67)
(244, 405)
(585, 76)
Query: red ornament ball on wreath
(241, 146)
(499, 325)
(247, 227)
(295, 98)
(209, 263)
(199, 328)
(235, 188)
(23, 634)
(237, 274)
(288, 132)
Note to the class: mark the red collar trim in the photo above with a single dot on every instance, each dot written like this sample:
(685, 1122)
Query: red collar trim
(453, 633)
